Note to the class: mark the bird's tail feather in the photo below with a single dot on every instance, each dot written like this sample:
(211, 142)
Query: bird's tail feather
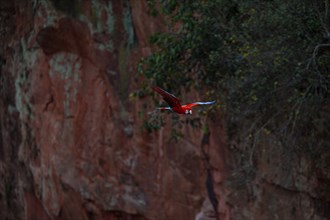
(164, 108)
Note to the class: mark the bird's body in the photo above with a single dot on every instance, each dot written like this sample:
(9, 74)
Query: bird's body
(174, 102)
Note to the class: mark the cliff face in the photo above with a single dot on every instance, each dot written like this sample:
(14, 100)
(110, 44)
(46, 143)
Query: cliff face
(73, 146)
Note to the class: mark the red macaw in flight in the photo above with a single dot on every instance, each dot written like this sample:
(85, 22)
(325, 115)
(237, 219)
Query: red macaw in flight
(174, 102)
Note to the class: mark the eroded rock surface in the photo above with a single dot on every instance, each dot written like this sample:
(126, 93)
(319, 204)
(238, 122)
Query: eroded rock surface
(79, 138)
(73, 146)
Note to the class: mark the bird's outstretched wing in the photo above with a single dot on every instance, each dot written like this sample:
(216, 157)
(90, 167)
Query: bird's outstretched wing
(168, 97)
(198, 103)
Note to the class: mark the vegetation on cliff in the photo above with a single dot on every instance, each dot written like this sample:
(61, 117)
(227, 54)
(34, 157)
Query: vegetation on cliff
(267, 62)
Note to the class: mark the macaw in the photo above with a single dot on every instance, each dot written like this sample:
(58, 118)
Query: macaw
(174, 102)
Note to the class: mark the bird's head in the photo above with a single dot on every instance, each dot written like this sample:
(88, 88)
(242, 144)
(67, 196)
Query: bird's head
(188, 112)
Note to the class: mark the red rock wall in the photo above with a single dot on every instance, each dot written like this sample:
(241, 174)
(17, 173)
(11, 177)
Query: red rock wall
(83, 152)
(73, 145)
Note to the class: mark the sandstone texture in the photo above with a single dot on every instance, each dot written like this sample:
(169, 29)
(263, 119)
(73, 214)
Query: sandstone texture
(73, 144)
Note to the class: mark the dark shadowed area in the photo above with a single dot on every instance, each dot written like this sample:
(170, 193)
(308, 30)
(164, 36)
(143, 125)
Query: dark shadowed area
(80, 137)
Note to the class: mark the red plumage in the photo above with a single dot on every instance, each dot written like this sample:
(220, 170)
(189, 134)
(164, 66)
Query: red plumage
(175, 104)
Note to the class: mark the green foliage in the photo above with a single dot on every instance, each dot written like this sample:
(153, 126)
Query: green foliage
(71, 7)
(154, 122)
(267, 60)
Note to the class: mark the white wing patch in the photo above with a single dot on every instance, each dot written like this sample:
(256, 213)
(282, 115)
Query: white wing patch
(204, 103)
